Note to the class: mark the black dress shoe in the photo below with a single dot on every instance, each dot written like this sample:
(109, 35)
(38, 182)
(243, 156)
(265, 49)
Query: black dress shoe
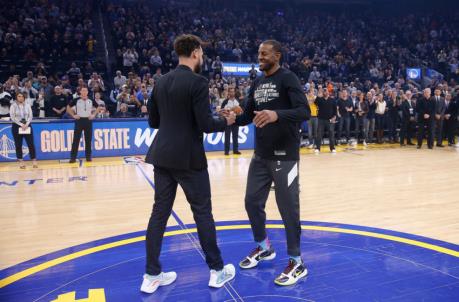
(237, 152)
(88, 159)
(431, 147)
(410, 144)
(440, 146)
(72, 161)
(418, 147)
(226, 153)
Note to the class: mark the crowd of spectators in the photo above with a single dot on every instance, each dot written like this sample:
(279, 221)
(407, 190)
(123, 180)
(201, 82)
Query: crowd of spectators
(45, 37)
(33, 30)
(356, 51)
(340, 46)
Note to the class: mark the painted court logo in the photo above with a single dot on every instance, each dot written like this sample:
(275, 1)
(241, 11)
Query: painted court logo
(7, 147)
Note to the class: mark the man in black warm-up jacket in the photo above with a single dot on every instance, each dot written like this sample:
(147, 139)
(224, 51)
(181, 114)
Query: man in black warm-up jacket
(277, 106)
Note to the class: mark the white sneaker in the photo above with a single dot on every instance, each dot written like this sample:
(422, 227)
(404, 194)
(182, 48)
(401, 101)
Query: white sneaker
(151, 283)
(219, 278)
(316, 151)
(333, 151)
(365, 143)
(311, 146)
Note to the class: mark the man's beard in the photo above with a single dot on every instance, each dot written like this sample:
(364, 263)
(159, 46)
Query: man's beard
(198, 67)
(266, 66)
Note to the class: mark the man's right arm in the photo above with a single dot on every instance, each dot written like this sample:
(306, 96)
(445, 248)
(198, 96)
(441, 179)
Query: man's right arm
(248, 113)
(201, 108)
(70, 110)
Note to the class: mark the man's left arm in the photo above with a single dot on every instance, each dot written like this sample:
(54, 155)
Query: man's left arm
(300, 110)
(153, 112)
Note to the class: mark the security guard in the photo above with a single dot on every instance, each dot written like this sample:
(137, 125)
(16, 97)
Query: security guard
(84, 112)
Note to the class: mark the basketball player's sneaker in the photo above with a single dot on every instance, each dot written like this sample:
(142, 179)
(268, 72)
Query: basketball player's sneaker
(151, 283)
(292, 273)
(257, 255)
(219, 278)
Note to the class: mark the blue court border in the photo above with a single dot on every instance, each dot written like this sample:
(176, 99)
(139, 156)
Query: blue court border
(5, 273)
(402, 240)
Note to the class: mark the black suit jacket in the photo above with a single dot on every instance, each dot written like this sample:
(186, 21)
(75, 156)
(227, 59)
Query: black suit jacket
(452, 109)
(440, 105)
(179, 108)
(425, 106)
(405, 107)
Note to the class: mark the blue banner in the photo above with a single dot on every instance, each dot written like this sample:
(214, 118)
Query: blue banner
(238, 69)
(53, 139)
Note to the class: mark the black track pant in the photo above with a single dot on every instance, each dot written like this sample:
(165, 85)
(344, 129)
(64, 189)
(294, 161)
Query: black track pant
(284, 174)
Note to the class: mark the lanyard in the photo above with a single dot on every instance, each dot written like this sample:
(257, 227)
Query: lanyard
(21, 111)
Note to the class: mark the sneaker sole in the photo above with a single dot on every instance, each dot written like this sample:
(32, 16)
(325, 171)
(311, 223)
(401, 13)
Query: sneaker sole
(255, 263)
(293, 281)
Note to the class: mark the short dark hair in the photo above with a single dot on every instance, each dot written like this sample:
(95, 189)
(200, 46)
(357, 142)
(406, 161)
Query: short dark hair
(185, 44)
(277, 47)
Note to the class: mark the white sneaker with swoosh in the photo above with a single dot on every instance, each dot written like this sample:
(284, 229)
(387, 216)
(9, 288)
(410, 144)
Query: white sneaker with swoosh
(219, 278)
(151, 283)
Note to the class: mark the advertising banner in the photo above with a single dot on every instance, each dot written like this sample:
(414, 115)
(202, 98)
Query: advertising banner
(53, 139)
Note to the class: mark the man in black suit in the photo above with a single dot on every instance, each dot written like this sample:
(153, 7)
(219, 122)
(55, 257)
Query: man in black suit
(179, 109)
(345, 108)
(439, 116)
(408, 119)
(451, 112)
(425, 108)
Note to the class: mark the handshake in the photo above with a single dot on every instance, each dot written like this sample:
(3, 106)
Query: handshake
(229, 115)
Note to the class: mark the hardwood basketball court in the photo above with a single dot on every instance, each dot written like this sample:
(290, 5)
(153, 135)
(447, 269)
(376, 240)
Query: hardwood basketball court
(60, 205)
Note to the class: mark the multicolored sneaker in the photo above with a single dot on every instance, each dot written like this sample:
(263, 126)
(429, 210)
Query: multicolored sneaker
(292, 273)
(219, 278)
(257, 255)
(151, 283)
